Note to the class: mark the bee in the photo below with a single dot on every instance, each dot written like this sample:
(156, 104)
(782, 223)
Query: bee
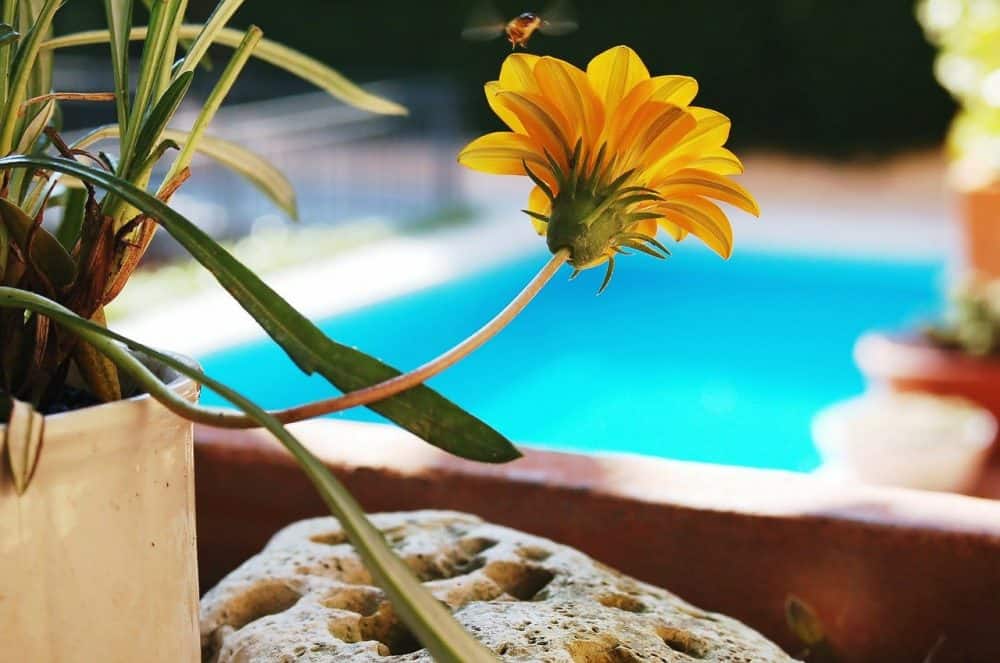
(487, 23)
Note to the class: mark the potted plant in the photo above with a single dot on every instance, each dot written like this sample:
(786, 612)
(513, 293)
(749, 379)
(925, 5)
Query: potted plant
(96, 500)
(957, 357)
(967, 66)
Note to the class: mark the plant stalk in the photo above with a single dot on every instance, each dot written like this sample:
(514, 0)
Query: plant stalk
(418, 376)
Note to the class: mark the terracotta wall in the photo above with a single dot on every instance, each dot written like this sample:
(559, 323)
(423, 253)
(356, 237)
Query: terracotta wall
(890, 572)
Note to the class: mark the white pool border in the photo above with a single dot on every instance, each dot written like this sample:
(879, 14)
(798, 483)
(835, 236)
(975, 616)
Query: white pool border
(211, 320)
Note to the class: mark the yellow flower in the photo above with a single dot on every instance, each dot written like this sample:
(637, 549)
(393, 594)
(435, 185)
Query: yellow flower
(615, 155)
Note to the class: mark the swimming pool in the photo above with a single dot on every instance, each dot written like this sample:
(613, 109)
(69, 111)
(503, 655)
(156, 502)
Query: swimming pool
(692, 359)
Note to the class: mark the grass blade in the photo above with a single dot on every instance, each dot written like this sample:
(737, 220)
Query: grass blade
(431, 622)
(420, 410)
(299, 64)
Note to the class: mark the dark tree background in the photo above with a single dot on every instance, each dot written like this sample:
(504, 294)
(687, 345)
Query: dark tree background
(831, 77)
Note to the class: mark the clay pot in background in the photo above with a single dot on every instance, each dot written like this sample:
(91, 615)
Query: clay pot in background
(910, 363)
(980, 225)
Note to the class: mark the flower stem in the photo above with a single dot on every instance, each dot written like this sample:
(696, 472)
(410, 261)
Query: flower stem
(392, 386)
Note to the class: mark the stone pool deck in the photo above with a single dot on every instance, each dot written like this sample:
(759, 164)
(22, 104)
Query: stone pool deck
(890, 572)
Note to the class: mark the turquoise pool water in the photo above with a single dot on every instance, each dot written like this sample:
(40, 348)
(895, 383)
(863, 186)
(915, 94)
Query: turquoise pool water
(694, 359)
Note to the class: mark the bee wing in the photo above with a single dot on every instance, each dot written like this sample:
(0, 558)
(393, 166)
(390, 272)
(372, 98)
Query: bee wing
(483, 32)
(484, 22)
(559, 18)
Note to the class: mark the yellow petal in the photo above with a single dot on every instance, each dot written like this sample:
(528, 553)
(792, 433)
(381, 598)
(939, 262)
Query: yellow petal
(712, 131)
(703, 219)
(645, 227)
(502, 153)
(719, 161)
(693, 182)
(516, 73)
(614, 73)
(540, 203)
(653, 130)
(542, 122)
(658, 140)
(672, 229)
(509, 118)
(677, 90)
(568, 89)
(707, 138)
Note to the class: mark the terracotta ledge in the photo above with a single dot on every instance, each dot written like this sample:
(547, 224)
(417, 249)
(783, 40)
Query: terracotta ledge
(889, 571)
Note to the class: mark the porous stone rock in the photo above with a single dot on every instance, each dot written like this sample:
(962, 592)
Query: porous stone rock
(307, 598)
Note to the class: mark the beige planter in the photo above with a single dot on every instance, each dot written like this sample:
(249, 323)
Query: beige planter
(97, 557)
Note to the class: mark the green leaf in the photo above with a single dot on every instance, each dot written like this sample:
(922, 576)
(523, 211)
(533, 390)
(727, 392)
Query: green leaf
(35, 126)
(217, 21)
(420, 410)
(21, 68)
(46, 251)
(4, 249)
(74, 209)
(255, 168)
(430, 621)
(303, 66)
(119, 18)
(7, 34)
(214, 101)
(157, 120)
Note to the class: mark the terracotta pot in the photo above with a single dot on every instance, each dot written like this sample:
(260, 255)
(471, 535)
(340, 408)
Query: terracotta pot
(910, 363)
(980, 222)
(97, 556)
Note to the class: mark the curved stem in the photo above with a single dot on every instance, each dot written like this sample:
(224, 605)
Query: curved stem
(418, 376)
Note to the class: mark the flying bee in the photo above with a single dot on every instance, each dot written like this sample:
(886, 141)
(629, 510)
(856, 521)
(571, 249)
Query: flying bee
(487, 23)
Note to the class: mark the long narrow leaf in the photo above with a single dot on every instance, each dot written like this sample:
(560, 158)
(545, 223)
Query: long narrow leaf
(217, 21)
(71, 223)
(420, 410)
(432, 624)
(119, 17)
(8, 9)
(299, 64)
(8, 35)
(34, 127)
(157, 120)
(175, 20)
(255, 168)
(21, 73)
(146, 83)
(214, 101)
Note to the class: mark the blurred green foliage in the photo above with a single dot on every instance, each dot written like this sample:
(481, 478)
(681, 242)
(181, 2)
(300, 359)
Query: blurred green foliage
(968, 66)
(833, 77)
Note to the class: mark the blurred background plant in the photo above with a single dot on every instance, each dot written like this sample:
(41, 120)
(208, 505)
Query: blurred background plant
(972, 322)
(967, 32)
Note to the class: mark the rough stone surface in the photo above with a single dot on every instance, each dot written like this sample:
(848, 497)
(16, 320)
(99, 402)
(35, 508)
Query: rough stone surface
(307, 597)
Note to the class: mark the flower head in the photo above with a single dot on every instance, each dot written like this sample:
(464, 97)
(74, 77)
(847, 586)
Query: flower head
(616, 155)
